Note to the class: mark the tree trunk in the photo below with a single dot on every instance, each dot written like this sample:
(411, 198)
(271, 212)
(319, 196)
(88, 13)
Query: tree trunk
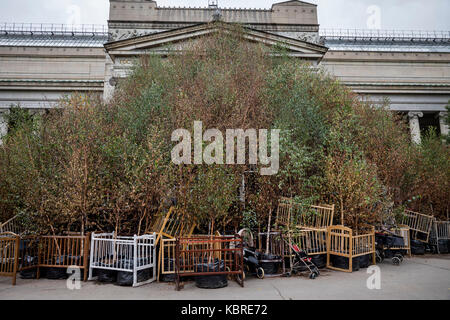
(268, 231)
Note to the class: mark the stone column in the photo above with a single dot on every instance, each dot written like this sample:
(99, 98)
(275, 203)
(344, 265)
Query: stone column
(110, 81)
(443, 123)
(3, 124)
(415, 126)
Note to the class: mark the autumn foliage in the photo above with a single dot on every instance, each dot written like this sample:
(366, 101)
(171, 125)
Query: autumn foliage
(91, 165)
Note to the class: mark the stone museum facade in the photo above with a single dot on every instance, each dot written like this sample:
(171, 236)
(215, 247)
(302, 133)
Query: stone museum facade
(41, 63)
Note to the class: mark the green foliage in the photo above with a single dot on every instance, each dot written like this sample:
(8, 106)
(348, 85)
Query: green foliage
(96, 166)
(19, 118)
(431, 167)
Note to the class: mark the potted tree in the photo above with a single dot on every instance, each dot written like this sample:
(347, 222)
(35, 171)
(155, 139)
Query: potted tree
(210, 206)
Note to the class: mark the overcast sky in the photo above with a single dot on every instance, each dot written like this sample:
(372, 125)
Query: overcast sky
(384, 14)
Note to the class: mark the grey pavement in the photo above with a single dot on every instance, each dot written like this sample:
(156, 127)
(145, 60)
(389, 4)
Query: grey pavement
(425, 277)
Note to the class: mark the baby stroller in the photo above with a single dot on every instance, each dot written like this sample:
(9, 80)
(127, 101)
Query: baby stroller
(387, 245)
(252, 263)
(256, 262)
(300, 262)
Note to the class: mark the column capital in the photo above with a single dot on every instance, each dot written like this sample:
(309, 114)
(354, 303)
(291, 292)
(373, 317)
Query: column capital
(443, 114)
(415, 114)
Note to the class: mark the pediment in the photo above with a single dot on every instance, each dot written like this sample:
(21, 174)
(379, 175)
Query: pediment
(175, 40)
(294, 3)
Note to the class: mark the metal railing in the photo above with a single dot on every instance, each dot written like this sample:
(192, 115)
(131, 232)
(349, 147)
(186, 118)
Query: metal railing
(53, 29)
(375, 34)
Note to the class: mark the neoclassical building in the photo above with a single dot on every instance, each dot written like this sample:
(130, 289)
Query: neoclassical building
(41, 63)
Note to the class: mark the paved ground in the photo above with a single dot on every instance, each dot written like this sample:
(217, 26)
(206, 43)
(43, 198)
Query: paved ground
(426, 277)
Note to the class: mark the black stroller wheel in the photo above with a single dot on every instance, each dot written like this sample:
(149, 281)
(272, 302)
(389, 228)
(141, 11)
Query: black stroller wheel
(260, 273)
(247, 269)
(229, 277)
(313, 275)
(241, 277)
(396, 261)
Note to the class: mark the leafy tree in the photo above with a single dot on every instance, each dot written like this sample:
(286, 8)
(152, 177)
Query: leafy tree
(107, 167)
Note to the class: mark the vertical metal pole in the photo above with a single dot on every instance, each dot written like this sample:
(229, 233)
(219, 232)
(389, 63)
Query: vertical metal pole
(91, 258)
(177, 264)
(328, 246)
(242, 262)
(437, 236)
(38, 240)
(135, 260)
(154, 256)
(86, 255)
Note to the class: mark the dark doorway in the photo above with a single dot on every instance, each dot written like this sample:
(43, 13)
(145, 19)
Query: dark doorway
(429, 120)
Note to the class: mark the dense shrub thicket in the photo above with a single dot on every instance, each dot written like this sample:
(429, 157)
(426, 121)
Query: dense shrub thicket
(91, 165)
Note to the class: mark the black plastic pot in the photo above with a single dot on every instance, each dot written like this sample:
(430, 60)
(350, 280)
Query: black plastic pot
(395, 241)
(169, 264)
(58, 273)
(270, 263)
(212, 281)
(388, 254)
(125, 279)
(417, 247)
(106, 276)
(365, 261)
(342, 262)
(167, 277)
(443, 246)
(29, 261)
(319, 260)
(28, 274)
